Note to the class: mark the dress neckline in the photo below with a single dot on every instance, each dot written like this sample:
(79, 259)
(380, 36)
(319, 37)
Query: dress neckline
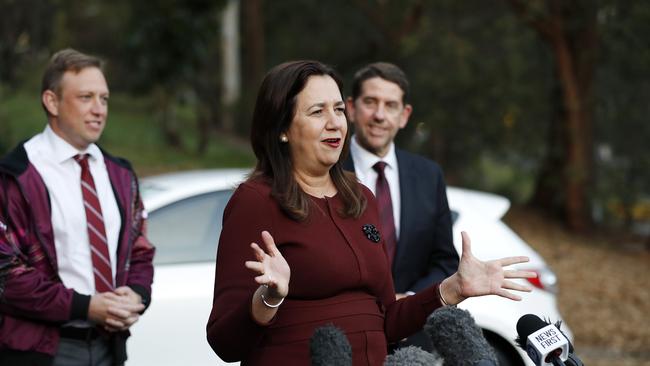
(324, 198)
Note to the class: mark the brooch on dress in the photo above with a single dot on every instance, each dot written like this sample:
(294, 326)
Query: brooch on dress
(371, 233)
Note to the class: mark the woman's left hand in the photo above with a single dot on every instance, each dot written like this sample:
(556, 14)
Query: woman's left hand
(477, 278)
(271, 269)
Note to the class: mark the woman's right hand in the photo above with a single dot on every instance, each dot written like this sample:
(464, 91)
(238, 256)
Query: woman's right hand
(271, 269)
(478, 278)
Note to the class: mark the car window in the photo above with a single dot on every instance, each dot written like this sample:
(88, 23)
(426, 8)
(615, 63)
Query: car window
(188, 230)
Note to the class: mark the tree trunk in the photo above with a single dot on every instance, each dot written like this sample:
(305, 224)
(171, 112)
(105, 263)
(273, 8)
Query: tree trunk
(253, 58)
(231, 80)
(577, 170)
(573, 46)
(548, 194)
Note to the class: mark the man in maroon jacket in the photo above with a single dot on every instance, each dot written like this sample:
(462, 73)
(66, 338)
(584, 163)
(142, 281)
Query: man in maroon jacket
(75, 265)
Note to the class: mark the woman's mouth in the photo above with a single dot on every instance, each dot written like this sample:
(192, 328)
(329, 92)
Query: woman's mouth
(333, 142)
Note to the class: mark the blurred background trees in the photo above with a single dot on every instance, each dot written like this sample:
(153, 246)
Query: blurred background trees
(544, 101)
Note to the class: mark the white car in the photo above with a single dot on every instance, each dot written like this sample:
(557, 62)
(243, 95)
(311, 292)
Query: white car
(185, 214)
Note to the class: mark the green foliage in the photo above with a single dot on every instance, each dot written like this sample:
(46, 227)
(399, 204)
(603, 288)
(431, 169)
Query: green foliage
(478, 78)
(133, 134)
(476, 73)
(484, 87)
(25, 29)
(622, 109)
(173, 55)
(336, 33)
(22, 115)
(168, 41)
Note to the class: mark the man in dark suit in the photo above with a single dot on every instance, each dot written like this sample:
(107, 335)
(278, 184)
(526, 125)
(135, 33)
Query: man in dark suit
(410, 189)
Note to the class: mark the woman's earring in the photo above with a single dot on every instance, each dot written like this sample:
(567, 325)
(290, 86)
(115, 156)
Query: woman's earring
(284, 138)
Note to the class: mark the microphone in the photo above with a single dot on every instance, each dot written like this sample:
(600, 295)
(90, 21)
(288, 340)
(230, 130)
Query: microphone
(545, 343)
(413, 356)
(458, 339)
(329, 346)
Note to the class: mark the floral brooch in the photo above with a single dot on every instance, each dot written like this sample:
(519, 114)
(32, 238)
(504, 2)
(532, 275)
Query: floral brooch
(371, 233)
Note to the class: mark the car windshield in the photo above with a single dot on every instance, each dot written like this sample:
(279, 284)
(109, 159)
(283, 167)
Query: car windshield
(188, 230)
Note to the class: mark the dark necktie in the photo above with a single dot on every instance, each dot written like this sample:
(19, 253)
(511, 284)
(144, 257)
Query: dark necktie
(382, 191)
(96, 231)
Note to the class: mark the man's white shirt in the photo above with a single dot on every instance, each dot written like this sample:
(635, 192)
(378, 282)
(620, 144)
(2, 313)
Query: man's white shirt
(364, 161)
(53, 158)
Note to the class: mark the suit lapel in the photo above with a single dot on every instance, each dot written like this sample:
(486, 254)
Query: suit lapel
(408, 199)
(348, 163)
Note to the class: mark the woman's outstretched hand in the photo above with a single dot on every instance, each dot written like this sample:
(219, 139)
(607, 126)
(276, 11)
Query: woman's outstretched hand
(477, 278)
(270, 267)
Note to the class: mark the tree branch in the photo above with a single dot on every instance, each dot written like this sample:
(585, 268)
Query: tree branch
(546, 27)
(376, 15)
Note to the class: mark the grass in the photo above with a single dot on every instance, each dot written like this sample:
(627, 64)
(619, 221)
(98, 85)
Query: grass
(132, 132)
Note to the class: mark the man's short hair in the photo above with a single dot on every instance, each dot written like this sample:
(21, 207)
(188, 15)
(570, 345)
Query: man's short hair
(62, 62)
(384, 70)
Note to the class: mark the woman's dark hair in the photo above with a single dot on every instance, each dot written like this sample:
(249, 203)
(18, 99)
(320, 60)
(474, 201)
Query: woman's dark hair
(274, 110)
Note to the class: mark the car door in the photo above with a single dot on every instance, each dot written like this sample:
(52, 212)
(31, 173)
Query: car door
(172, 331)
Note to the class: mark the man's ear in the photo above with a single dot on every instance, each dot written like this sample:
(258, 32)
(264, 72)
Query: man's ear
(349, 108)
(51, 102)
(405, 115)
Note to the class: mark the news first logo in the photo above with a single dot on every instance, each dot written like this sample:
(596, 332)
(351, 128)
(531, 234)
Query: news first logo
(548, 338)
(545, 344)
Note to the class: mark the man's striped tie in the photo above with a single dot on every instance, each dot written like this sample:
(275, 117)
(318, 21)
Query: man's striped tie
(96, 231)
(385, 205)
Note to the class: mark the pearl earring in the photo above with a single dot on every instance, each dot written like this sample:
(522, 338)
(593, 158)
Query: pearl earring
(284, 138)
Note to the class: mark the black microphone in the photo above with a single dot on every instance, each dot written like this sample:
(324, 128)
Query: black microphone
(457, 338)
(544, 342)
(413, 356)
(329, 346)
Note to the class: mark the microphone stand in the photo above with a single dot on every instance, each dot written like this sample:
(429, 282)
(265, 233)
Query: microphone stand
(557, 362)
(573, 360)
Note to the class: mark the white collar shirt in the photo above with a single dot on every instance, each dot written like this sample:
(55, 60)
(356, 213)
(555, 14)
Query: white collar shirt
(364, 161)
(53, 158)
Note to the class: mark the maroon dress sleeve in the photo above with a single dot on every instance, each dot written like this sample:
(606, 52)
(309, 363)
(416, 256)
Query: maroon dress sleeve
(408, 315)
(231, 330)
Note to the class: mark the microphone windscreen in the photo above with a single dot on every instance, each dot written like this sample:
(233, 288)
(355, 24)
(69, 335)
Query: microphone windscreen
(528, 324)
(329, 346)
(457, 338)
(413, 356)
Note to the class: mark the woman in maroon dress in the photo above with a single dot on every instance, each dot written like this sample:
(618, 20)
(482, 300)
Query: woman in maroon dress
(322, 258)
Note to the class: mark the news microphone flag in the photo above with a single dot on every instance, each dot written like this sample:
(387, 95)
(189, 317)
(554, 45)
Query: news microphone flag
(544, 342)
